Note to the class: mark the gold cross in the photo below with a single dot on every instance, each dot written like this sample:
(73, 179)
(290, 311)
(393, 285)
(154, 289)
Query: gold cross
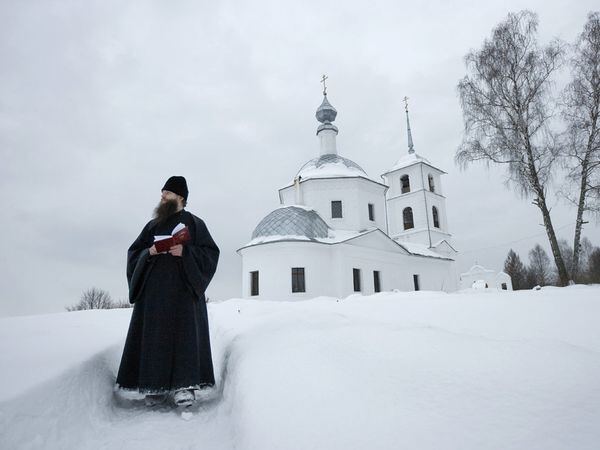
(405, 103)
(324, 86)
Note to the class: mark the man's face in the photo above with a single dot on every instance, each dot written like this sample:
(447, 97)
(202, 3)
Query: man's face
(166, 196)
(169, 204)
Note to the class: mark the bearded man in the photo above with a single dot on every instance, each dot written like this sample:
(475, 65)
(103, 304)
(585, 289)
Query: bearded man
(167, 350)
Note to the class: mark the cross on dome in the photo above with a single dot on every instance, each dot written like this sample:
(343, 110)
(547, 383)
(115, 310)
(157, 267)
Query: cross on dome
(324, 85)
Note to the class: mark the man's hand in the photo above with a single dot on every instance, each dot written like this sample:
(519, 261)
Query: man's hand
(176, 250)
(153, 251)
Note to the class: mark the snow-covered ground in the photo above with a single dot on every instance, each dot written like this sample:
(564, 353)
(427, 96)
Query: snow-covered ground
(419, 370)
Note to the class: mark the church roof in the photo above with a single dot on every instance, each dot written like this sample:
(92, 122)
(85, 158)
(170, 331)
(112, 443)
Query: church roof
(290, 221)
(330, 165)
(476, 269)
(410, 159)
(299, 223)
(421, 249)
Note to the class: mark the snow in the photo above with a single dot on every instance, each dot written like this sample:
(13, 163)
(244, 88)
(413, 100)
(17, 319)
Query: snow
(331, 170)
(338, 169)
(421, 370)
(421, 249)
(408, 160)
(476, 269)
(338, 236)
(334, 237)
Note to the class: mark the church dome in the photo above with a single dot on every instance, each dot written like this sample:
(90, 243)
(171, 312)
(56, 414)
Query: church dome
(325, 112)
(292, 221)
(330, 165)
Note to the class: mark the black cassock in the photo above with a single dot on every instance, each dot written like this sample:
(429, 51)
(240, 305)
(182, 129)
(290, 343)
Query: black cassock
(168, 344)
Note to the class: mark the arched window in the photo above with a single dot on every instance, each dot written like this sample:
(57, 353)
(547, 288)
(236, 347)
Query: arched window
(405, 184)
(431, 183)
(436, 217)
(407, 215)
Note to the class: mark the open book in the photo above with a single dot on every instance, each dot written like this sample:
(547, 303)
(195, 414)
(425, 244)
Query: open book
(179, 235)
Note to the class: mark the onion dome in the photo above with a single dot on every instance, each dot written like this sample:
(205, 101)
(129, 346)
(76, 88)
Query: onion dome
(326, 112)
(292, 221)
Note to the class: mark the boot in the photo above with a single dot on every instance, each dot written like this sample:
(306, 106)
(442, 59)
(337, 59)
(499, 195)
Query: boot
(155, 399)
(184, 397)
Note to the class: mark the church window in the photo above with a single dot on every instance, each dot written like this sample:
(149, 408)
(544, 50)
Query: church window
(416, 282)
(371, 211)
(405, 184)
(254, 282)
(431, 183)
(407, 215)
(298, 279)
(336, 209)
(436, 217)
(376, 281)
(356, 279)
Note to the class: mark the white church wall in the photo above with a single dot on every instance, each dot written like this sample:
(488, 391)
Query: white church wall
(355, 195)
(319, 193)
(375, 194)
(437, 177)
(274, 263)
(491, 279)
(288, 195)
(396, 208)
(503, 278)
(395, 185)
(437, 234)
(421, 200)
(396, 270)
(329, 270)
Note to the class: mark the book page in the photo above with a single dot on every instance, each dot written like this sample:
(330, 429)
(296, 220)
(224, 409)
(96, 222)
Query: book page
(161, 237)
(180, 226)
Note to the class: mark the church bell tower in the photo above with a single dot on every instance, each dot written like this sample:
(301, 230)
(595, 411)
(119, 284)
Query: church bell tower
(415, 202)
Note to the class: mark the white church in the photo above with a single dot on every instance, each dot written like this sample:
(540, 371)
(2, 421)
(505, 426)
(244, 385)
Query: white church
(340, 232)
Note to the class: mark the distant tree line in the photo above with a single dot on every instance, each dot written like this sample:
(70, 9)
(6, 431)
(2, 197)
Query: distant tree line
(95, 298)
(540, 271)
(513, 118)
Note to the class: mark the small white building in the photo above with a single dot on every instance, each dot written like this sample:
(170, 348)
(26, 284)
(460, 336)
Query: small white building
(478, 277)
(338, 231)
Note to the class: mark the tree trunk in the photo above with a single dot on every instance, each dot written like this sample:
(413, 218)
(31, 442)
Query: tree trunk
(563, 276)
(540, 201)
(584, 190)
(579, 223)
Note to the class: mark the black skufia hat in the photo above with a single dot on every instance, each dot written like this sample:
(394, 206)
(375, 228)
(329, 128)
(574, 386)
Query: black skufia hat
(177, 185)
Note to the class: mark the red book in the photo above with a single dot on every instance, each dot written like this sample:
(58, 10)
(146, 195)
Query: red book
(181, 237)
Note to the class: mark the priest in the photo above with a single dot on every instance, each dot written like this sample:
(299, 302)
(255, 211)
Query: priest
(167, 352)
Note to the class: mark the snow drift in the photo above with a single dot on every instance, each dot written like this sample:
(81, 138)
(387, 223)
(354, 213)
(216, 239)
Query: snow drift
(421, 370)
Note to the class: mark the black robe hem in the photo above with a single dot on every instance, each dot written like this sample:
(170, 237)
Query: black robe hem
(149, 391)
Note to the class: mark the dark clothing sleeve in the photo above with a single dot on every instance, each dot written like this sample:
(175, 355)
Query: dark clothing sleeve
(139, 262)
(200, 258)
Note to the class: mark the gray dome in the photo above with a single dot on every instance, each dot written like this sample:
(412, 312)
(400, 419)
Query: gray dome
(330, 159)
(326, 113)
(292, 221)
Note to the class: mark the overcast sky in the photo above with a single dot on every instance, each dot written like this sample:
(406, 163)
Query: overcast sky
(101, 101)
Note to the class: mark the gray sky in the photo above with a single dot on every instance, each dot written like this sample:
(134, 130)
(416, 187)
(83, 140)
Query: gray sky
(101, 101)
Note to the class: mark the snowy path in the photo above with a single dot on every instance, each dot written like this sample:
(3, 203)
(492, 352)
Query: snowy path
(79, 411)
(410, 370)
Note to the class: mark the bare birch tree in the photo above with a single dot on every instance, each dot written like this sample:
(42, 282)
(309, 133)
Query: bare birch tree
(504, 99)
(581, 112)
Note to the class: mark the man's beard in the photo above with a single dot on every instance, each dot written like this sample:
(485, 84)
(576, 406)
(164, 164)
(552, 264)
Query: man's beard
(164, 210)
